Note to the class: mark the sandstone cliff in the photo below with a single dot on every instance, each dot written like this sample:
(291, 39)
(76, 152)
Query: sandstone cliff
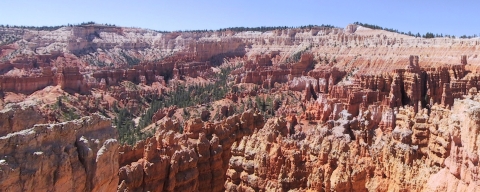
(424, 152)
(17, 117)
(80, 155)
(154, 54)
(193, 161)
(457, 143)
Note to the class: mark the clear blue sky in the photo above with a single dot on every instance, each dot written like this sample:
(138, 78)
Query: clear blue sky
(440, 16)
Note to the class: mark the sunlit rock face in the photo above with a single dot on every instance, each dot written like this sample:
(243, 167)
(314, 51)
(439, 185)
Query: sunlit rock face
(307, 109)
(79, 155)
(193, 161)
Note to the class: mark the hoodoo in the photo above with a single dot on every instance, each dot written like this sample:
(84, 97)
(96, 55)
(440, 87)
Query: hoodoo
(318, 108)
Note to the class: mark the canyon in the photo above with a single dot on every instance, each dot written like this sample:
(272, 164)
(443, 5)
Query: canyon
(316, 108)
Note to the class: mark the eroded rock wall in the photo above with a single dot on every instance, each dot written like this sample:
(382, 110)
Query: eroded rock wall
(193, 161)
(379, 111)
(17, 117)
(79, 155)
(424, 152)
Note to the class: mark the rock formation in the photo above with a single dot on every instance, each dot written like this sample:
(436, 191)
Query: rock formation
(303, 109)
(80, 155)
(347, 155)
(193, 161)
(17, 117)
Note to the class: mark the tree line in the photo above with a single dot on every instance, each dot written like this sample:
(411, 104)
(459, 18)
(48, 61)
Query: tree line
(265, 28)
(426, 35)
(50, 28)
(259, 29)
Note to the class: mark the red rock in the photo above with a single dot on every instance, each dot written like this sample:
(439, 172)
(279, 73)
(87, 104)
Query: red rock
(79, 155)
(18, 117)
(188, 161)
(371, 116)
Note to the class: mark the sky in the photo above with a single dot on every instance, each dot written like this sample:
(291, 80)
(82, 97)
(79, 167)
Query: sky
(441, 16)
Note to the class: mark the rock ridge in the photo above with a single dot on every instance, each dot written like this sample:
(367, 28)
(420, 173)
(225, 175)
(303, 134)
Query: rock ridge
(79, 155)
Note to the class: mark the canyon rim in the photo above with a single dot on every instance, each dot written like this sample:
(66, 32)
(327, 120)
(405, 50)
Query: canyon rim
(94, 107)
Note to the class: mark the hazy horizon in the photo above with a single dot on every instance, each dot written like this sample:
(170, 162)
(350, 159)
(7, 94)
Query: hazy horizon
(427, 16)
